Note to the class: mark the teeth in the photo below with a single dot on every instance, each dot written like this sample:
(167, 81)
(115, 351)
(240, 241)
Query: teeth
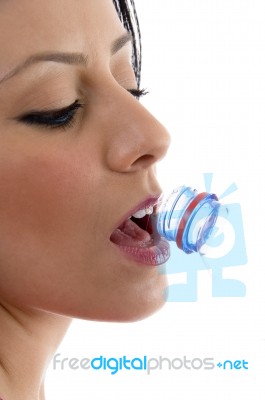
(143, 212)
(149, 210)
(139, 214)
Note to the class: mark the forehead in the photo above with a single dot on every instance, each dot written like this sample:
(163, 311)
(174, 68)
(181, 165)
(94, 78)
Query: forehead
(67, 25)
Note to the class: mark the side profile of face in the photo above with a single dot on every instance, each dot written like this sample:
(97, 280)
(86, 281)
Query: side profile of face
(69, 178)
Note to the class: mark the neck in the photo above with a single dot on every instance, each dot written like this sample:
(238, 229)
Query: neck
(28, 341)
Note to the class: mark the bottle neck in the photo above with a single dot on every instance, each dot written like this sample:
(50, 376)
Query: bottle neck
(187, 217)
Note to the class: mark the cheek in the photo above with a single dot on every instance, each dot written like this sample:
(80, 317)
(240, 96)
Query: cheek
(45, 205)
(38, 191)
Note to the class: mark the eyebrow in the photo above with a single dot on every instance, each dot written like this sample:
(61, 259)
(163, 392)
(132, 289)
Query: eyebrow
(65, 58)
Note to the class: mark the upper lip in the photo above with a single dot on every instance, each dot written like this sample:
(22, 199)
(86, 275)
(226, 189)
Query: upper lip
(148, 202)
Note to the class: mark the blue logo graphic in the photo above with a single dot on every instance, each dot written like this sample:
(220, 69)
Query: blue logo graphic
(226, 248)
(228, 364)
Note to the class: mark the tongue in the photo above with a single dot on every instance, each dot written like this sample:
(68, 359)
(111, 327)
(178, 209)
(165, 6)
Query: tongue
(130, 234)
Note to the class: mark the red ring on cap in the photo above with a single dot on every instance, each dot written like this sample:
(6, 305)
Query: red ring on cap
(186, 216)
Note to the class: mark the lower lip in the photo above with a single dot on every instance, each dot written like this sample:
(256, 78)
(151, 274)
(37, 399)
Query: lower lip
(149, 251)
(152, 256)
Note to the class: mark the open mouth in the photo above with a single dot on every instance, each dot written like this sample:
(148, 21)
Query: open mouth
(138, 237)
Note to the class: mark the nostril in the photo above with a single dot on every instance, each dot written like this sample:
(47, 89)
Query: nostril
(144, 161)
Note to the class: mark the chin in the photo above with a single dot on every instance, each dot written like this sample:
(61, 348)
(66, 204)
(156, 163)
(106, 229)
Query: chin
(129, 301)
(140, 313)
(142, 305)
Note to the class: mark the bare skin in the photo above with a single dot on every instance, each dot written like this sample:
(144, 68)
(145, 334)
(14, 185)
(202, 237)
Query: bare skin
(63, 191)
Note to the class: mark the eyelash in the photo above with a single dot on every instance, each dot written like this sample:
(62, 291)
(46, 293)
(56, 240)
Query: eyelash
(65, 117)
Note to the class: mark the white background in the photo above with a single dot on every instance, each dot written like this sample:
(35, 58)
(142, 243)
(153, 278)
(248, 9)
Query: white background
(204, 65)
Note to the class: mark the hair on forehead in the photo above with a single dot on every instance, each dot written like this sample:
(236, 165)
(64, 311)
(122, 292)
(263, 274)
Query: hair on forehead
(128, 16)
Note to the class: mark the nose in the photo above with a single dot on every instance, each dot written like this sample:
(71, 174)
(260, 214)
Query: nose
(136, 140)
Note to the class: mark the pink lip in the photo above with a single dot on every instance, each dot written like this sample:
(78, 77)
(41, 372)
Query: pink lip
(154, 252)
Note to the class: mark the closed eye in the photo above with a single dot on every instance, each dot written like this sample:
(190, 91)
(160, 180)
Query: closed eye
(138, 93)
(62, 118)
(65, 117)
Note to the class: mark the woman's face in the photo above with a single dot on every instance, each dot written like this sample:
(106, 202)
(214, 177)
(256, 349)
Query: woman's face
(65, 188)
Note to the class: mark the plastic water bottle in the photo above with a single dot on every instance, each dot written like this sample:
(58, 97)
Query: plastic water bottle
(187, 217)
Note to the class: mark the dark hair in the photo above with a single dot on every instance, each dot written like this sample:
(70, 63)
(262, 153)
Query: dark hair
(128, 16)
